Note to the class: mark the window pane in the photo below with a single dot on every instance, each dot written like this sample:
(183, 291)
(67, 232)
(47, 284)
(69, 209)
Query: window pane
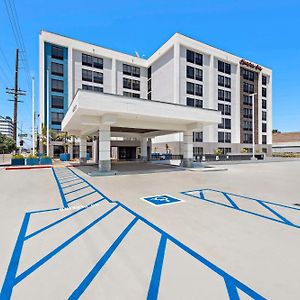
(190, 88)
(57, 69)
(87, 60)
(190, 56)
(57, 102)
(189, 72)
(98, 62)
(57, 52)
(57, 85)
(87, 75)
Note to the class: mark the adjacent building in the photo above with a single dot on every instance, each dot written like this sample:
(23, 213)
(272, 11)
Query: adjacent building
(6, 126)
(210, 90)
(286, 142)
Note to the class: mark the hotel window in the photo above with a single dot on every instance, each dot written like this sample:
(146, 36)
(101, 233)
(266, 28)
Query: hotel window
(57, 102)
(227, 96)
(57, 69)
(194, 57)
(225, 109)
(87, 75)
(264, 103)
(224, 137)
(98, 89)
(87, 60)
(248, 75)
(149, 72)
(227, 137)
(57, 85)
(264, 92)
(194, 102)
(221, 80)
(227, 82)
(197, 151)
(194, 73)
(126, 83)
(190, 88)
(224, 67)
(135, 85)
(98, 62)
(131, 70)
(198, 90)
(247, 113)
(264, 139)
(56, 118)
(226, 124)
(149, 85)
(264, 116)
(198, 136)
(98, 77)
(247, 100)
(264, 80)
(247, 138)
(248, 88)
(87, 87)
(264, 127)
(247, 126)
(57, 52)
(132, 95)
(221, 95)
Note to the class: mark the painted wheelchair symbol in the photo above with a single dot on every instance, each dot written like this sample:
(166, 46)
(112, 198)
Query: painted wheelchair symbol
(159, 200)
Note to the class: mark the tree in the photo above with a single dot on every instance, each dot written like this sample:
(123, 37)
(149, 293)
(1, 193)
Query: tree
(7, 144)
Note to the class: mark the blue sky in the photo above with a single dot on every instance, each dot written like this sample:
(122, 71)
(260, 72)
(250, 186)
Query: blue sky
(266, 32)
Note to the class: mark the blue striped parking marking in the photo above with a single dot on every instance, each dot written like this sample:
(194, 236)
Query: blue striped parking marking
(11, 280)
(200, 194)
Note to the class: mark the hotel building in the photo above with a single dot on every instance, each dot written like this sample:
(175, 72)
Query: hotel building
(188, 98)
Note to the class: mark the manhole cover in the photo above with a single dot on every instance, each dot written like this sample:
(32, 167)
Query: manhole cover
(297, 204)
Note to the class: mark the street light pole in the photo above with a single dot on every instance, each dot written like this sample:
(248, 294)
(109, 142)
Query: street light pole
(253, 126)
(48, 117)
(33, 117)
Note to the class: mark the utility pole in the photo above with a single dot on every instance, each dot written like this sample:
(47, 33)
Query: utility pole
(16, 92)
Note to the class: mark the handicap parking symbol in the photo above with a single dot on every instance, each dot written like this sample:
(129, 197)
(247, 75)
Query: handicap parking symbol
(159, 200)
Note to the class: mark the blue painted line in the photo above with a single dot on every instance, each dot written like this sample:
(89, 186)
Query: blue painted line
(253, 199)
(230, 200)
(242, 210)
(74, 191)
(202, 195)
(276, 213)
(63, 198)
(156, 274)
(68, 186)
(43, 260)
(104, 196)
(281, 221)
(8, 284)
(80, 197)
(61, 220)
(63, 182)
(231, 289)
(197, 256)
(101, 262)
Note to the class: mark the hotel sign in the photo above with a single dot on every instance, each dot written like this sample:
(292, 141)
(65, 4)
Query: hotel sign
(250, 65)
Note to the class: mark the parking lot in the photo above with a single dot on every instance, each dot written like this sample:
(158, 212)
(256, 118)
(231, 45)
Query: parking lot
(168, 235)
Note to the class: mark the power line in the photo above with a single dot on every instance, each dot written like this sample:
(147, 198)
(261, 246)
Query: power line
(15, 25)
(6, 61)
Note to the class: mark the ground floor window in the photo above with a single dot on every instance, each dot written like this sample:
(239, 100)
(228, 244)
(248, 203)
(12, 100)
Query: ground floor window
(225, 150)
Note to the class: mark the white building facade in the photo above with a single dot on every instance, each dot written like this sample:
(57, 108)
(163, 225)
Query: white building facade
(6, 126)
(190, 76)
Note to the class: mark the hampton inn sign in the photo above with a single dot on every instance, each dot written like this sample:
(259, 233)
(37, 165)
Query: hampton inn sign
(250, 65)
